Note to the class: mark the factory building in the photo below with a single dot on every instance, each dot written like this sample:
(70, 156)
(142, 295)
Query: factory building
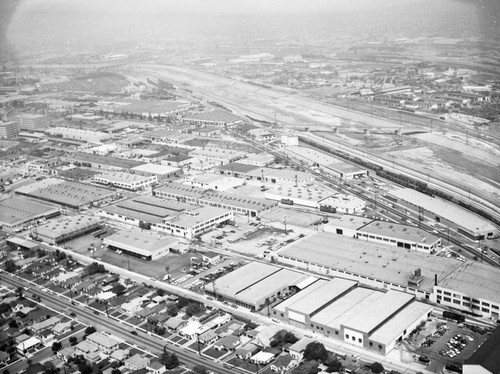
(200, 196)
(467, 286)
(143, 211)
(9, 130)
(217, 117)
(70, 194)
(387, 233)
(32, 122)
(341, 203)
(339, 309)
(140, 243)
(131, 182)
(88, 136)
(436, 209)
(193, 223)
(256, 285)
(18, 213)
(160, 171)
(67, 228)
(101, 162)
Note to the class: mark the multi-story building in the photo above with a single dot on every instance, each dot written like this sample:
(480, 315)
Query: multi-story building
(32, 122)
(9, 129)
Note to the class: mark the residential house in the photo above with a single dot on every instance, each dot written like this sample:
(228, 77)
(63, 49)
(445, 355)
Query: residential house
(66, 353)
(285, 362)
(27, 347)
(136, 362)
(262, 358)
(246, 351)
(46, 336)
(156, 367)
(61, 328)
(266, 335)
(175, 323)
(208, 337)
(4, 358)
(45, 324)
(120, 355)
(228, 343)
(89, 350)
(297, 349)
(105, 343)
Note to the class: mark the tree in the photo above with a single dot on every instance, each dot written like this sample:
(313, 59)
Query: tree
(334, 366)
(171, 361)
(73, 340)
(315, 351)
(118, 289)
(90, 330)
(193, 308)
(160, 292)
(199, 369)
(10, 266)
(173, 310)
(19, 292)
(5, 308)
(289, 337)
(376, 368)
(49, 368)
(116, 371)
(13, 323)
(56, 346)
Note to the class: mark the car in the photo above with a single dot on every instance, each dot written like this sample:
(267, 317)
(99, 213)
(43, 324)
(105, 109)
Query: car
(72, 314)
(210, 298)
(133, 332)
(234, 306)
(275, 320)
(96, 312)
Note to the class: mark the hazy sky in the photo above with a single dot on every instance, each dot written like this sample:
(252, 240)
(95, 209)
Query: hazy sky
(39, 22)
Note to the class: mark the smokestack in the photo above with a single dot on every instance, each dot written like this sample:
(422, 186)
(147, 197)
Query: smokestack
(435, 279)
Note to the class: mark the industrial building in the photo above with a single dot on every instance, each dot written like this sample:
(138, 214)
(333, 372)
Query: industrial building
(32, 122)
(446, 213)
(341, 203)
(9, 129)
(70, 194)
(328, 163)
(66, 228)
(236, 169)
(388, 233)
(193, 223)
(255, 285)
(305, 196)
(88, 136)
(132, 182)
(341, 310)
(200, 196)
(17, 213)
(143, 211)
(140, 243)
(160, 171)
(101, 162)
(467, 286)
(217, 117)
(284, 177)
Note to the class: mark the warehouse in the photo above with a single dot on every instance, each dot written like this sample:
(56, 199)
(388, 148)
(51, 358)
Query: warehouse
(67, 228)
(388, 233)
(340, 203)
(131, 182)
(17, 213)
(193, 223)
(160, 171)
(140, 243)
(372, 264)
(444, 212)
(101, 162)
(143, 211)
(236, 169)
(200, 196)
(305, 196)
(255, 285)
(465, 286)
(73, 195)
(216, 117)
(340, 309)
(282, 177)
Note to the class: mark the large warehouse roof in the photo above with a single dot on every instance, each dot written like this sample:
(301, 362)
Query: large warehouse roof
(65, 192)
(66, 226)
(156, 169)
(372, 260)
(386, 306)
(197, 216)
(216, 115)
(317, 295)
(391, 330)
(396, 230)
(445, 209)
(143, 242)
(105, 160)
(16, 210)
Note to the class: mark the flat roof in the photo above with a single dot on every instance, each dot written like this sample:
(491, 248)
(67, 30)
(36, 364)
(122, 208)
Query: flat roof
(66, 192)
(237, 167)
(105, 160)
(195, 216)
(156, 169)
(475, 279)
(241, 278)
(121, 177)
(319, 294)
(394, 327)
(386, 306)
(140, 241)
(16, 210)
(348, 222)
(369, 259)
(67, 225)
(333, 311)
(345, 168)
(398, 230)
(217, 115)
(281, 174)
(308, 193)
(445, 209)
